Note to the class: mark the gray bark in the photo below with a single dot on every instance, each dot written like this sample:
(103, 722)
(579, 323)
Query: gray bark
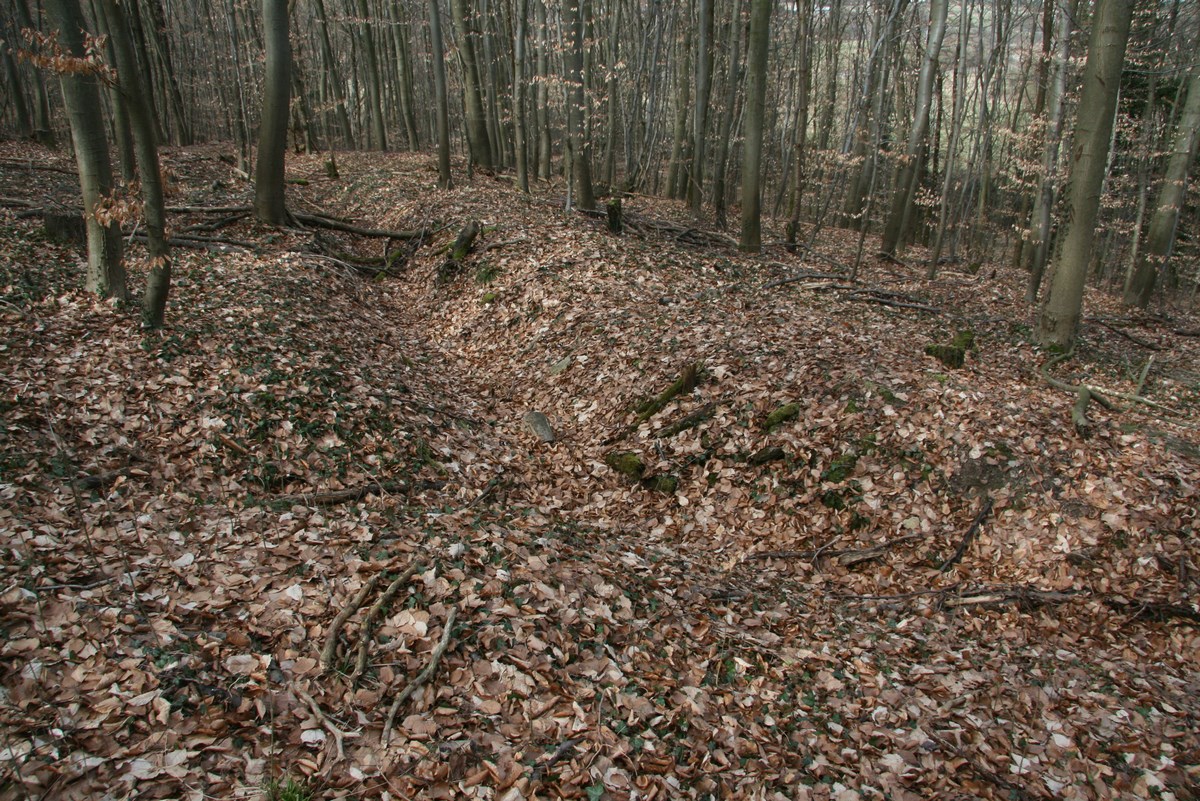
(272, 132)
(756, 91)
(1061, 310)
(81, 94)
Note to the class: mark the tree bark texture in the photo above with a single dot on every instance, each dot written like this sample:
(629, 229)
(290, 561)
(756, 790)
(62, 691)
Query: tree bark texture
(1061, 309)
(272, 132)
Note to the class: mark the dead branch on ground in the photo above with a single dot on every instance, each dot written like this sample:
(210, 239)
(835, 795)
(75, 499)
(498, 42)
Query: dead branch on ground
(967, 538)
(360, 662)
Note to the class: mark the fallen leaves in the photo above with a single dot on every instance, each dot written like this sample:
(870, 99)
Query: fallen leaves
(232, 601)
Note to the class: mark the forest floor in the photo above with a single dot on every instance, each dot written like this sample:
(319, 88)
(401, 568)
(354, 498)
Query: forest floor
(921, 582)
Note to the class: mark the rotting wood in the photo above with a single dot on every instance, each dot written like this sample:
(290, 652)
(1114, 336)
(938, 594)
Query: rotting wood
(335, 628)
(360, 662)
(435, 657)
(968, 538)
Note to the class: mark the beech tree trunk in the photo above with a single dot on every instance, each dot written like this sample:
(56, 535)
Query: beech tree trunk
(81, 94)
(141, 124)
(756, 91)
(581, 148)
(440, 100)
(1060, 312)
(272, 132)
(905, 191)
(1160, 240)
(477, 126)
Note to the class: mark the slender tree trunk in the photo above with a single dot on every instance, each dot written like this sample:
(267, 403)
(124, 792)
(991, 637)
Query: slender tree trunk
(272, 133)
(158, 284)
(122, 137)
(541, 93)
(1037, 250)
(800, 136)
(440, 100)
(404, 82)
(43, 127)
(756, 91)
(16, 87)
(909, 174)
(1060, 312)
(375, 115)
(331, 67)
(106, 272)
(704, 65)
(1160, 240)
(581, 148)
(614, 98)
(728, 115)
(477, 123)
(519, 130)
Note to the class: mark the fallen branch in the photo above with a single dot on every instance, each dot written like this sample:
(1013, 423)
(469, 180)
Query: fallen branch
(336, 497)
(965, 543)
(847, 557)
(360, 663)
(327, 653)
(209, 209)
(339, 736)
(1026, 597)
(1141, 343)
(1155, 611)
(801, 276)
(336, 225)
(895, 300)
(434, 658)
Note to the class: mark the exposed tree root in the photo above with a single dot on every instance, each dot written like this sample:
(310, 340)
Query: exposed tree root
(434, 658)
(360, 662)
(335, 628)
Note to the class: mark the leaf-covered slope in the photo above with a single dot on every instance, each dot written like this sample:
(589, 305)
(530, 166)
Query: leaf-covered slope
(767, 628)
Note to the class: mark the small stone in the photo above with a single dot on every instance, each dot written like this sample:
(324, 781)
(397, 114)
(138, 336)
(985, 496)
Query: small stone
(560, 366)
(539, 424)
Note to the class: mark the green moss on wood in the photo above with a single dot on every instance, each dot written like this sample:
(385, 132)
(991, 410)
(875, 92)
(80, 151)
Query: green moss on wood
(788, 411)
(687, 381)
(841, 468)
(626, 463)
(664, 483)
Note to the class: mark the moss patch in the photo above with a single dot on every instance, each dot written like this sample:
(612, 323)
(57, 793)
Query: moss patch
(626, 463)
(788, 411)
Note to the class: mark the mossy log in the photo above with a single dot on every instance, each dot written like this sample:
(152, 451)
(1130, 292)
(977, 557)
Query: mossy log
(458, 251)
(770, 453)
(690, 421)
(627, 463)
(781, 415)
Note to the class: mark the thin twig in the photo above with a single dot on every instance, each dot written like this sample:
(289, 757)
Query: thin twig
(339, 736)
